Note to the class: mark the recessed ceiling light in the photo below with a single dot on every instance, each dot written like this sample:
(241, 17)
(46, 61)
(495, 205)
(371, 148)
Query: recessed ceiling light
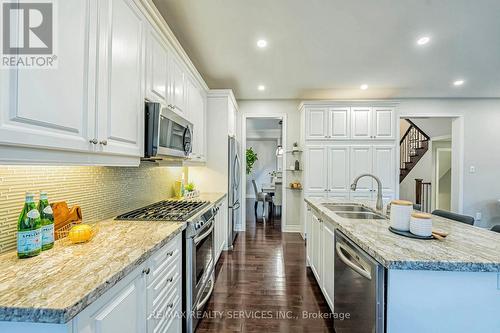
(262, 43)
(261, 87)
(363, 87)
(458, 82)
(423, 40)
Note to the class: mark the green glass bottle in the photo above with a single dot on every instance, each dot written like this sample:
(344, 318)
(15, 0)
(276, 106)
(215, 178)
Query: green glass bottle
(47, 217)
(29, 229)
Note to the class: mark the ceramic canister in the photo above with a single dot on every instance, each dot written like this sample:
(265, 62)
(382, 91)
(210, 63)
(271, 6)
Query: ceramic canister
(400, 214)
(421, 224)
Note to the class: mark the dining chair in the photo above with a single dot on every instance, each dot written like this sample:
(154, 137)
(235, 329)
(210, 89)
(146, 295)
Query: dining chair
(495, 228)
(260, 197)
(277, 198)
(454, 216)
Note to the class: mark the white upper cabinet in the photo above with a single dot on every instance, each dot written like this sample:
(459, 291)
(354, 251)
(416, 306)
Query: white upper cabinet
(338, 169)
(231, 119)
(349, 123)
(53, 108)
(316, 169)
(121, 78)
(196, 113)
(361, 123)
(177, 85)
(316, 124)
(338, 123)
(384, 123)
(157, 67)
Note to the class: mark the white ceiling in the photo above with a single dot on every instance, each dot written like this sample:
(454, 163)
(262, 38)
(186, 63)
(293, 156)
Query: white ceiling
(328, 48)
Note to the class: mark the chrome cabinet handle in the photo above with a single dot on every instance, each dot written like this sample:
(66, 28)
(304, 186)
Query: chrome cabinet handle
(146, 271)
(93, 141)
(171, 253)
(171, 305)
(171, 279)
(103, 142)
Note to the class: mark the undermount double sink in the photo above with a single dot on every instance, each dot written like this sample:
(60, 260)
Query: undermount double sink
(353, 211)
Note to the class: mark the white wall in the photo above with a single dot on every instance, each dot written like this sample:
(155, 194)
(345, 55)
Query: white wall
(266, 163)
(481, 190)
(288, 108)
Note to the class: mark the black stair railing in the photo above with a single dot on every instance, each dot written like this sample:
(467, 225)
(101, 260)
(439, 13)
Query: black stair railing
(413, 146)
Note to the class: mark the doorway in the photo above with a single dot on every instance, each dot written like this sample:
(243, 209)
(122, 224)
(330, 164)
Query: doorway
(264, 146)
(431, 161)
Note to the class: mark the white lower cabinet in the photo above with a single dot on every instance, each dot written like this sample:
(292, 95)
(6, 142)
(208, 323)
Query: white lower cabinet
(147, 300)
(221, 229)
(328, 261)
(320, 252)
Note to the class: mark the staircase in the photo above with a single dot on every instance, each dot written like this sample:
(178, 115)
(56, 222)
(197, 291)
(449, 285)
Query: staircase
(412, 147)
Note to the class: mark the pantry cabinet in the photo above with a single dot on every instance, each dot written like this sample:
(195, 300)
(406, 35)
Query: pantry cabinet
(349, 123)
(331, 169)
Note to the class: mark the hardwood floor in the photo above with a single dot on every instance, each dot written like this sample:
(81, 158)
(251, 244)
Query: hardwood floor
(263, 285)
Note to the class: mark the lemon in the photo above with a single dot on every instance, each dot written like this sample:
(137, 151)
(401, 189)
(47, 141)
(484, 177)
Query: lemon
(80, 233)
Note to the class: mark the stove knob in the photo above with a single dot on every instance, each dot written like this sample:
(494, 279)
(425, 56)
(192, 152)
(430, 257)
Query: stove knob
(197, 226)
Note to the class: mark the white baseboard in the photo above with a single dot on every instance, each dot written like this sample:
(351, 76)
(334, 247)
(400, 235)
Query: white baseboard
(291, 228)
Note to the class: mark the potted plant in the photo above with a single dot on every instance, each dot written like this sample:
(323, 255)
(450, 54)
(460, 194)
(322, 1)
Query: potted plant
(251, 159)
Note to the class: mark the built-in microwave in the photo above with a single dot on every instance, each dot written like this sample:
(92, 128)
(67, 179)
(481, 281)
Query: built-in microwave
(166, 132)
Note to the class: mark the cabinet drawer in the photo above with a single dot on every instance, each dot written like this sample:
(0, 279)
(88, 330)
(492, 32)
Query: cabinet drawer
(166, 316)
(164, 258)
(159, 291)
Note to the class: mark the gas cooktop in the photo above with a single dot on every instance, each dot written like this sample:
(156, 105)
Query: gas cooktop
(167, 210)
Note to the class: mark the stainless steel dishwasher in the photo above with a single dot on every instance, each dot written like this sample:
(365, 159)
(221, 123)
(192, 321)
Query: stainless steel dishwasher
(359, 289)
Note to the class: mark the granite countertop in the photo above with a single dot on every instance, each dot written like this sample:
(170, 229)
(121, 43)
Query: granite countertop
(466, 248)
(58, 284)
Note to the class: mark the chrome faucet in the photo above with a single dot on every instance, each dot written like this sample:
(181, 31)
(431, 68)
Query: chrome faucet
(379, 205)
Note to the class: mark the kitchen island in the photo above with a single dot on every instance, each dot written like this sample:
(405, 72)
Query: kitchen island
(74, 286)
(450, 285)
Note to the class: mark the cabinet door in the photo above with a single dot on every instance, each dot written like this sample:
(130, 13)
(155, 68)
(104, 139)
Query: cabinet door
(316, 170)
(315, 246)
(361, 123)
(384, 167)
(157, 67)
(177, 85)
(121, 100)
(361, 163)
(53, 108)
(196, 114)
(328, 258)
(231, 119)
(383, 123)
(108, 312)
(308, 232)
(316, 123)
(338, 169)
(338, 123)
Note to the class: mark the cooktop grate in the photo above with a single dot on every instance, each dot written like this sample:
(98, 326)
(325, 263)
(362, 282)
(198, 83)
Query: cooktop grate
(167, 210)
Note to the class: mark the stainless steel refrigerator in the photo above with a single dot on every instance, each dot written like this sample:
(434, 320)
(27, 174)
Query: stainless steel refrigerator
(234, 212)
